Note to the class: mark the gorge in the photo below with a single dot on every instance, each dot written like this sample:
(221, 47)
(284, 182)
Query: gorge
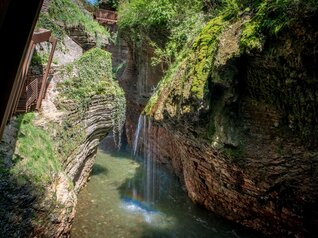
(214, 100)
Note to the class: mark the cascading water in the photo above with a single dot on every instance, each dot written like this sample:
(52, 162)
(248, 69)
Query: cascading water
(143, 138)
(137, 134)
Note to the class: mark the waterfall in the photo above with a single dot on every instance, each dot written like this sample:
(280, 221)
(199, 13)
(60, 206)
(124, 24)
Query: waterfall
(143, 138)
(137, 134)
(149, 190)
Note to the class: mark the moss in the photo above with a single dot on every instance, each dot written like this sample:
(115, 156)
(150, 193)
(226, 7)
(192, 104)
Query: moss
(193, 65)
(41, 58)
(165, 83)
(67, 135)
(251, 38)
(270, 18)
(198, 81)
(204, 50)
(89, 76)
(34, 158)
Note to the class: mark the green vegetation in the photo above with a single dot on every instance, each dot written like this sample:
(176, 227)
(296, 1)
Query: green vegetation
(34, 158)
(37, 150)
(194, 64)
(269, 18)
(186, 38)
(111, 3)
(141, 16)
(41, 58)
(205, 47)
(179, 21)
(46, 22)
(67, 135)
(64, 14)
(90, 75)
(167, 24)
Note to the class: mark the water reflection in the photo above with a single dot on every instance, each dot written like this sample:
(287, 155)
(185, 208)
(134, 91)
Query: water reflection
(114, 204)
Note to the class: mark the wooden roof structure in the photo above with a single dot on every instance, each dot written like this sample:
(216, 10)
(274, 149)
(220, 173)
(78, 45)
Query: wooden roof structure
(17, 22)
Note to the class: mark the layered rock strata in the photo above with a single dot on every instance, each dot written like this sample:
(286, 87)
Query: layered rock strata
(242, 142)
(34, 208)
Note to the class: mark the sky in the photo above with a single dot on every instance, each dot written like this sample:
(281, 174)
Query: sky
(92, 1)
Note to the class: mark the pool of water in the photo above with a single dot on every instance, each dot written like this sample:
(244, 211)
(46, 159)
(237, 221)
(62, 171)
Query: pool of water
(116, 203)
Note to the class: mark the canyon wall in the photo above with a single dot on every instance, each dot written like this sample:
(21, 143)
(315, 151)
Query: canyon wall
(139, 80)
(47, 157)
(239, 127)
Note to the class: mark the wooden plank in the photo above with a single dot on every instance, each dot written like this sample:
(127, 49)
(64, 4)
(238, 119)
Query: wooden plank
(106, 14)
(41, 36)
(106, 21)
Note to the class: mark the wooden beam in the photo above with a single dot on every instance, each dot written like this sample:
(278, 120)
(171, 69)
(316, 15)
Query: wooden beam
(46, 74)
(40, 36)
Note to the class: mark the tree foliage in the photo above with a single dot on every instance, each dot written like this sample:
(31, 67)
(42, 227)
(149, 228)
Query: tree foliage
(168, 24)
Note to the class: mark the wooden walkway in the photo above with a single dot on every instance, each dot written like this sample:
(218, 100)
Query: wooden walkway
(106, 17)
(34, 87)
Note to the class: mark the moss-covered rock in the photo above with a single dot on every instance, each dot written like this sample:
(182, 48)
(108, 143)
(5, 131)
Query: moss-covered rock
(201, 88)
(68, 17)
(204, 84)
(90, 75)
(240, 105)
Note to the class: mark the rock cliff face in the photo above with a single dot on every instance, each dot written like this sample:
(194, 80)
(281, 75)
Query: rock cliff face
(82, 38)
(46, 157)
(139, 80)
(241, 142)
(97, 123)
(39, 188)
(272, 188)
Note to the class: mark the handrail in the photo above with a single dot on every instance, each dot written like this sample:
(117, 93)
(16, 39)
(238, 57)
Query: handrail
(29, 93)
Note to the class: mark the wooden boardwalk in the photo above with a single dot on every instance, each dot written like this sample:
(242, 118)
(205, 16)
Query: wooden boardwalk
(34, 87)
(106, 17)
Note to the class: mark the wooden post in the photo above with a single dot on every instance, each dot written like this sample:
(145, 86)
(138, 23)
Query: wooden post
(46, 74)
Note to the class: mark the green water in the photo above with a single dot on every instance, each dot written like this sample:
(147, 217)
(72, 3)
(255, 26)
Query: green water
(113, 205)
